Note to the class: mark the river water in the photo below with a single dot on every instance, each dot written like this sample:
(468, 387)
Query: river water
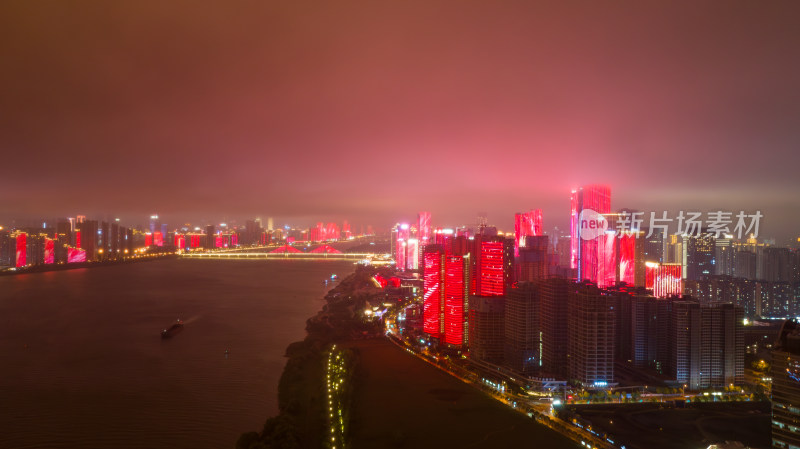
(83, 365)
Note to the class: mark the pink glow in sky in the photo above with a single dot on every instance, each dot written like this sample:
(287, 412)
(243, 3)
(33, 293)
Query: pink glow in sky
(372, 111)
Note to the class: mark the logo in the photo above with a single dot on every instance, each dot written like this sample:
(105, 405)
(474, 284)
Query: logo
(591, 224)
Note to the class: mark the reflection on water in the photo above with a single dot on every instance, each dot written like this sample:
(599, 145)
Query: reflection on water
(83, 364)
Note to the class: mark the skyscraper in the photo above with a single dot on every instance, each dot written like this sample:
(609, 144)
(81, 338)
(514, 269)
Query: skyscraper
(456, 299)
(553, 324)
(433, 291)
(591, 327)
(592, 249)
(706, 344)
(424, 231)
(523, 343)
(533, 261)
(489, 271)
(486, 328)
(526, 224)
(698, 256)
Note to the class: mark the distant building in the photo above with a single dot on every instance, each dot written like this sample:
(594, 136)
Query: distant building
(699, 256)
(88, 240)
(211, 242)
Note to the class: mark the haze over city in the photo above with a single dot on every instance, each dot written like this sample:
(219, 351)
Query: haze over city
(363, 111)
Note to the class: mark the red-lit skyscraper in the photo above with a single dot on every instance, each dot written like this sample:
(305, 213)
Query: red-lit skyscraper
(490, 280)
(433, 291)
(424, 228)
(664, 279)
(456, 297)
(22, 249)
(445, 295)
(592, 249)
(627, 258)
(49, 251)
(402, 234)
(525, 225)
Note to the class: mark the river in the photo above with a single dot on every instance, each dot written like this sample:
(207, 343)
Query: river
(83, 365)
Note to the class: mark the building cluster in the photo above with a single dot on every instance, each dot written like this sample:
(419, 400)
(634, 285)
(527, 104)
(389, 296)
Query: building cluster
(596, 306)
(75, 240)
(69, 241)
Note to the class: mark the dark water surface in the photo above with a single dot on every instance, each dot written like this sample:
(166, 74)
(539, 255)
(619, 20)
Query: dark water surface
(82, 363)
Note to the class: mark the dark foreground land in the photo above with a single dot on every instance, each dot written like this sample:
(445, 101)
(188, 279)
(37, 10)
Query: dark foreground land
(403, 402)
(649, 426)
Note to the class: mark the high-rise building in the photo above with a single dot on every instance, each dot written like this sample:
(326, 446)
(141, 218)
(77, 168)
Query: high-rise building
(664, 279)
(528, 224)
(424, 230)
(591, 327)
(786, 388)
(773, 264)
(533, 262)
(456, 299)
(706, 344)
(88, 235)
(433, 291)
(553, 324)
(400, 241)
(592, 249)
(211, 242)
(698, 256)
(486, 328)
(489, 270)
(523, 342)
(649, 331)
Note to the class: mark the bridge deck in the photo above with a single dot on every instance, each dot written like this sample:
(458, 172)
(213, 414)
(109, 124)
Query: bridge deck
(248, 255)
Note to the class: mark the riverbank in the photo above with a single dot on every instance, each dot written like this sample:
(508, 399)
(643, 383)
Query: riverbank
(44, 268)
(392, 399)
(303, 418)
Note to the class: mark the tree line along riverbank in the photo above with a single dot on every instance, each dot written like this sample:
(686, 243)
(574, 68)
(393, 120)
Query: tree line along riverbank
(304, 413)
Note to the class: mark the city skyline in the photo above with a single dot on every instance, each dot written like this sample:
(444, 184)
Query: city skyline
(354, 111)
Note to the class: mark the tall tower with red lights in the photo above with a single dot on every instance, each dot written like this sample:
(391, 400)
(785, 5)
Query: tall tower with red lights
(528, 224)
(592, 249)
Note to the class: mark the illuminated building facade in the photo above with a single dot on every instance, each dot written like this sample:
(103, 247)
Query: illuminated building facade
(698, 260)
(21, 249)
(528, 224)
(456, 299)
(592, 253)
(664, 279)
(627, 258)
(490, 279)
(49, 251)
(424, 230)
(402, 233)
(412, 254)
(433, 291)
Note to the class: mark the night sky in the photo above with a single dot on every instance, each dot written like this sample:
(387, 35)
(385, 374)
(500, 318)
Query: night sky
(373, 110)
